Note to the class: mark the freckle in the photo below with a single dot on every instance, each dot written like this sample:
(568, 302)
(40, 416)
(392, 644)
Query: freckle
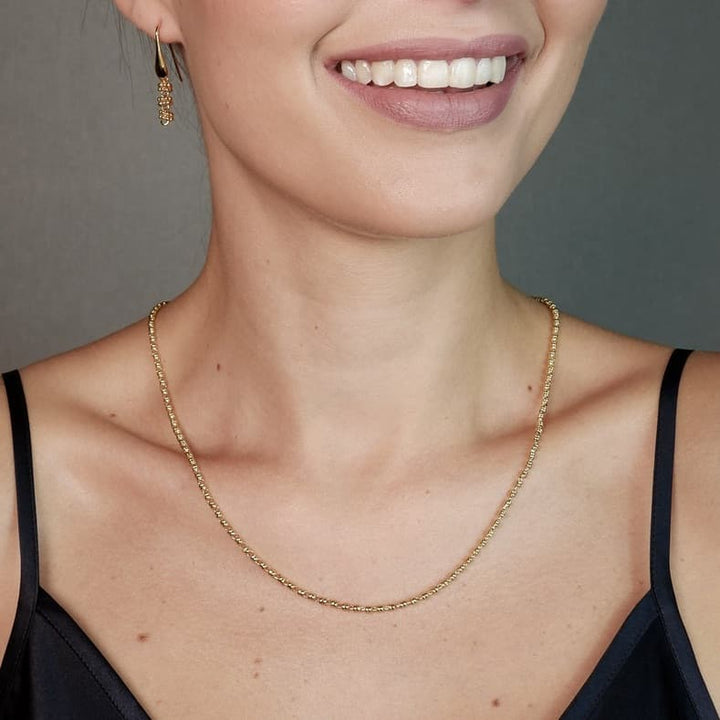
(529, 388)
(427, 492)
(142, 637)
(496, 702)
(394, 624)
(257, 660)
(218, 367)
(256, 675)
(112, 415)
(261, 608)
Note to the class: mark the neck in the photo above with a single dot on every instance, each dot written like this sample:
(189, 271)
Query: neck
(317, 342)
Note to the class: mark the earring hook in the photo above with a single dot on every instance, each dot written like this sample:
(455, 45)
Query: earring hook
(161, 69)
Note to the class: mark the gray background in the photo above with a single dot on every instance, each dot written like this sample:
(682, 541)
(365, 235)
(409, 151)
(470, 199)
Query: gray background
(104, 212)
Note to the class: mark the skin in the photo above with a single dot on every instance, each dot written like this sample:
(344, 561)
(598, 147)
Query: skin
(352, 293)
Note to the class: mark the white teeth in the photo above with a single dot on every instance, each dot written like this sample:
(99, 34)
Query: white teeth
(382, 72)
(433, 74)
(484, 71)
(499, 65)
(348, 70)
(406, 74)
(364, 73)
(461, 73)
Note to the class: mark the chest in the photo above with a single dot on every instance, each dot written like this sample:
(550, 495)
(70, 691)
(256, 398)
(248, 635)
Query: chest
(248, 648)
(196, 630)
(259, 665)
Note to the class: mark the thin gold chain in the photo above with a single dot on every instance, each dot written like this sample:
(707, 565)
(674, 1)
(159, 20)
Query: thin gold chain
(316, 597)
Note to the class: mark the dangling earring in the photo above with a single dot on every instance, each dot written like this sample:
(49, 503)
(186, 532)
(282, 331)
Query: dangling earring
(165, 88)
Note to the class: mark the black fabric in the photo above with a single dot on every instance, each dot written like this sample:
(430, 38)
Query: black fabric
(52, 671)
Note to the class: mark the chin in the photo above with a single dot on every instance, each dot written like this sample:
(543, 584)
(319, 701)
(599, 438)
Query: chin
(410, 218)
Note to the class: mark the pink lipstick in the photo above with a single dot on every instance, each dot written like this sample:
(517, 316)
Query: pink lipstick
(445, 109)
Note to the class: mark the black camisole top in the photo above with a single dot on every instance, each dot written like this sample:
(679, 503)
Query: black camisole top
(51, 669)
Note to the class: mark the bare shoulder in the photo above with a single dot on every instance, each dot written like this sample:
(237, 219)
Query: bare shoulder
(9, 554)
(78, 402)
(695, 552)
(88, 376)
(624, 373)
(80, 398)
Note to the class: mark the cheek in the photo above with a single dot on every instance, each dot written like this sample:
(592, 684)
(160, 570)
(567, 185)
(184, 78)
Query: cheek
(569, 26)
(238, 50)
(255, 77)
(571, 17)
(233, 45)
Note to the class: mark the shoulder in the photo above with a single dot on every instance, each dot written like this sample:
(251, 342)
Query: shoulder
(695, 545)
(9, 556)
(77, 397)
(76, 401)
(696, 490)
(82, 406)
(623, 374)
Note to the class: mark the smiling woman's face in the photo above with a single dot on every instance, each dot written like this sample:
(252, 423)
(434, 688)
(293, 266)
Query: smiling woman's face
(275, 108)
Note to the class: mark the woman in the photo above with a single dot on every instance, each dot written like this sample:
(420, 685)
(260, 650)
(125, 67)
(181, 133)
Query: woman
(357, 390)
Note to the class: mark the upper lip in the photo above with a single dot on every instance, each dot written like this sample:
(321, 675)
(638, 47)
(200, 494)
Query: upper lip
(436, 48)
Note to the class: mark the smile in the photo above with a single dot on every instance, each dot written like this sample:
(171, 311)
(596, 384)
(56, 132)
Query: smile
(457, 74)
(439, 84)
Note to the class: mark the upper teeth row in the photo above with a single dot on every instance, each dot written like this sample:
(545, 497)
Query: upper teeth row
(460, 73)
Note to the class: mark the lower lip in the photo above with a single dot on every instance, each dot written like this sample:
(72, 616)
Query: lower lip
(438, 110)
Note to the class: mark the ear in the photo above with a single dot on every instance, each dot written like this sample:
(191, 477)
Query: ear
(146, 15)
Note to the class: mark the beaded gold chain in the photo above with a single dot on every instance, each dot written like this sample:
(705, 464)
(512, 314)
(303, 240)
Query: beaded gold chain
(316, 597)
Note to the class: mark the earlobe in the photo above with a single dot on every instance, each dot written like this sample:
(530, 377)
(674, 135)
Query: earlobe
(146, 15)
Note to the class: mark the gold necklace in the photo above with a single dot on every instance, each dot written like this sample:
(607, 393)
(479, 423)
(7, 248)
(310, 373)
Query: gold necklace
(315, 597)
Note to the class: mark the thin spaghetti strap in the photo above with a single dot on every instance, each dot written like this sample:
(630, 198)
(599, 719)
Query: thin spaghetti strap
(663, 473)
(27, 528)
(660, 579)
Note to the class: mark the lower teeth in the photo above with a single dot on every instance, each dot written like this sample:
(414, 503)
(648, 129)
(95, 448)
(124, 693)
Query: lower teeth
(447, 90)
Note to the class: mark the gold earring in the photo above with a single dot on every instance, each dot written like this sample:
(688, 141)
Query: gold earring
(165, 88)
